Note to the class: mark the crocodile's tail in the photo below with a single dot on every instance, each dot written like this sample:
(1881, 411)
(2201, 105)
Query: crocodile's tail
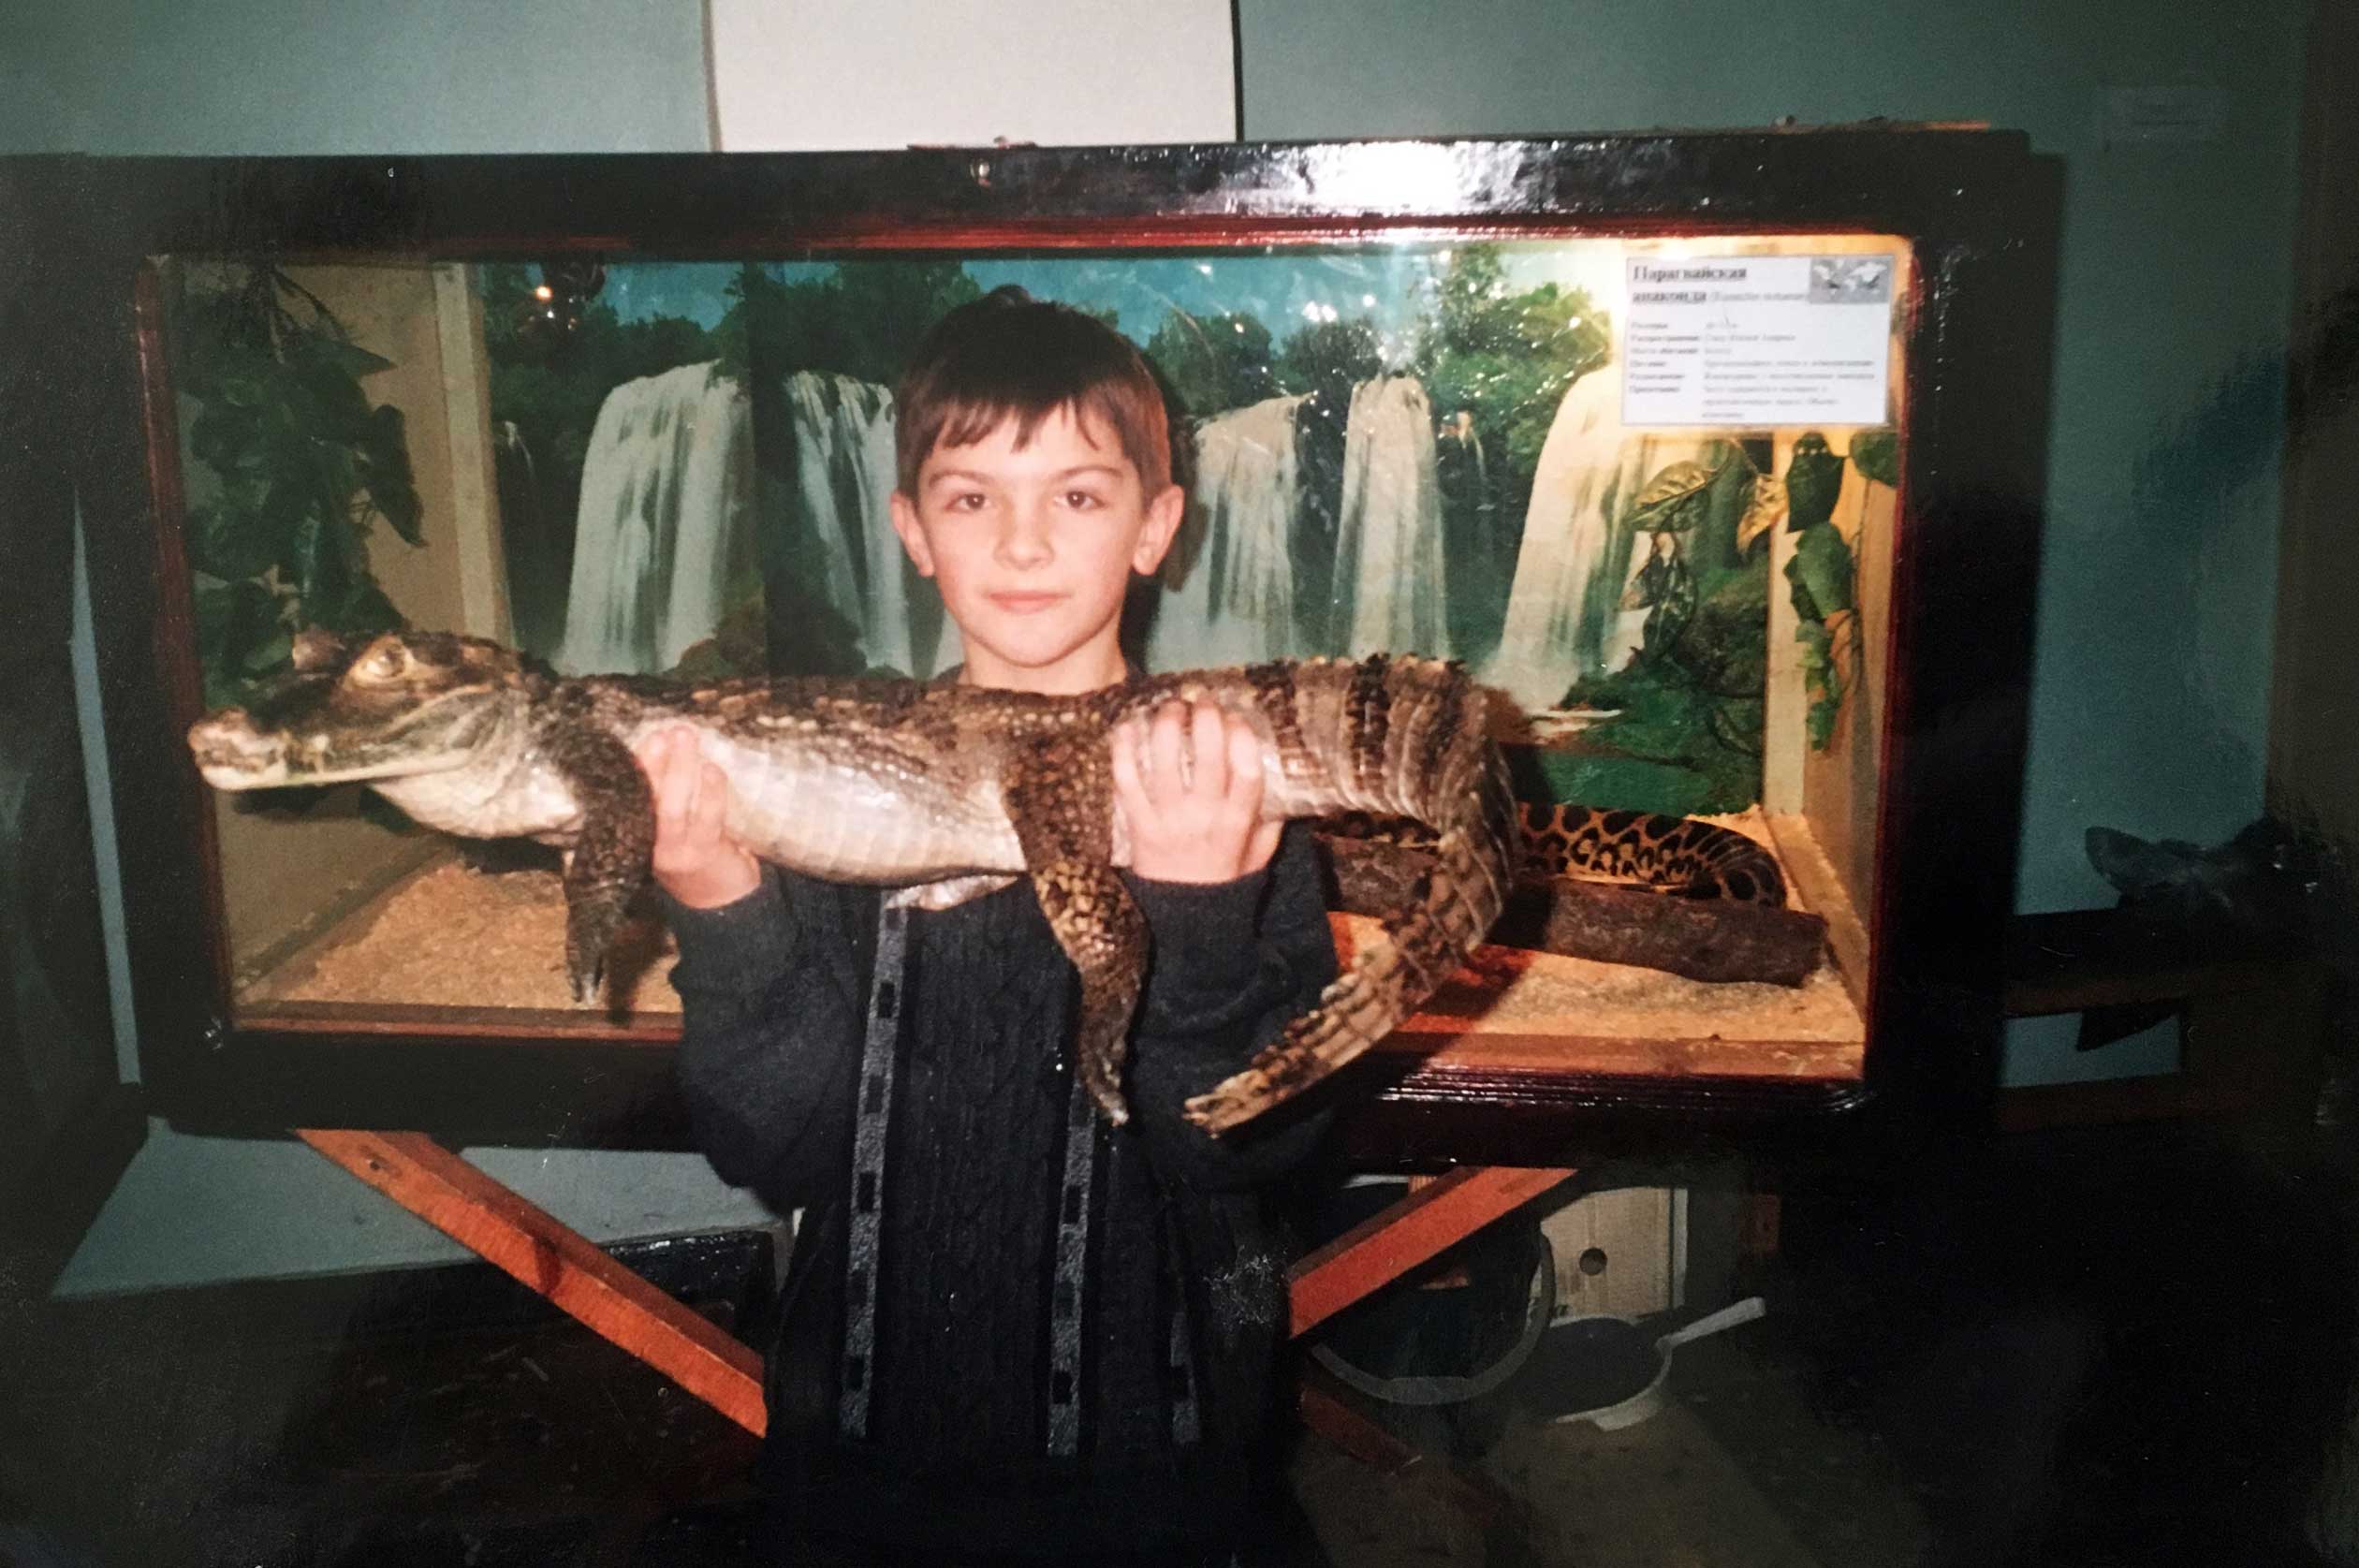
(1409, 738)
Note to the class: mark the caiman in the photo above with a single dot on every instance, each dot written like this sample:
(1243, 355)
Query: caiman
(948, 792)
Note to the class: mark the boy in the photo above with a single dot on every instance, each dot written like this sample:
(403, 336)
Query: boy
(1010, 1331)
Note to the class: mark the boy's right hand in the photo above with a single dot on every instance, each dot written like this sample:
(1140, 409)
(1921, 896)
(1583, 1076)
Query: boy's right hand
(696, 861)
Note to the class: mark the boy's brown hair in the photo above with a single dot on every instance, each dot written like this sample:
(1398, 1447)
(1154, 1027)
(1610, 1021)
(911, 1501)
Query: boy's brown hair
(1008, 355)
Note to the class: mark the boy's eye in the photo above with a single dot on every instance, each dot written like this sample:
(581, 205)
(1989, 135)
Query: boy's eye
(966, 501)
(1082, 499)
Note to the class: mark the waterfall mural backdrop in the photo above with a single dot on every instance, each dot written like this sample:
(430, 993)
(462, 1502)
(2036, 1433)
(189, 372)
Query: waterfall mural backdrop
(1413, 447)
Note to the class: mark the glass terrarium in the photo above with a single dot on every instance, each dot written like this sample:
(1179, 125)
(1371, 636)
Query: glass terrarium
(1645, 461)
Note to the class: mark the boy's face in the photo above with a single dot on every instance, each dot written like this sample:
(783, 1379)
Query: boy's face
(1033, 548)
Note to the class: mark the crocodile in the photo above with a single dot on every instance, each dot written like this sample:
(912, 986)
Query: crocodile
(947, 792)
(943, 790)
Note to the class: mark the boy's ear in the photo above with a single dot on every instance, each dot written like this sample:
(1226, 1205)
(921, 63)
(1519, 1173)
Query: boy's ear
(1162, 521)
(913, 538)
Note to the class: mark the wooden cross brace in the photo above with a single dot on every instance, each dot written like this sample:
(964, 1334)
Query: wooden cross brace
(556, 1262)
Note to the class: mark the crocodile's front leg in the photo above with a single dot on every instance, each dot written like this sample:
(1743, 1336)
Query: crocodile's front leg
(1060, 796)
(608, 861)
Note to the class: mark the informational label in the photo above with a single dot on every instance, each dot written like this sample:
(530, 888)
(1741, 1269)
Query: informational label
(1757, 340)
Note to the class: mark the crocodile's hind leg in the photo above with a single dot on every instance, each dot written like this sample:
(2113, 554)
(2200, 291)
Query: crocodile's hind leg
(1060, 796)
(608, 862)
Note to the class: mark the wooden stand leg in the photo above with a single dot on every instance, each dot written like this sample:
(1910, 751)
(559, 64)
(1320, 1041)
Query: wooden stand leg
(1324, 1408)
(534, 1247)
(1421, 1227)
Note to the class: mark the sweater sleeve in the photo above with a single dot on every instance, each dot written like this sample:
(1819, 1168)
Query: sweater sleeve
(1231, 964)
(772, 1018)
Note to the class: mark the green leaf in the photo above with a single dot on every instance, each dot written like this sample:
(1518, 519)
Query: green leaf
(1822, 572)
(1823, 681)
(349, 358)
(385, 470)
(269, 654)
(1814, 481)
(1821, 723)
(237, 625)
(362, 607)
(232, 541)
(1876, 453)
(309, 563)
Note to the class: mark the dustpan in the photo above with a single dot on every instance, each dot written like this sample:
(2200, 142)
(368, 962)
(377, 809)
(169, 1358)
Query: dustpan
(1610, 1372)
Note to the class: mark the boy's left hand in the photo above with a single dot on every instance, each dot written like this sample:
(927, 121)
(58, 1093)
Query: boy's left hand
(1189, 782)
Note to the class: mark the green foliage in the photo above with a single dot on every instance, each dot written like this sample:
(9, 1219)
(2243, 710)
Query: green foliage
(552, 393)
(1327, 358)
(303, 461)
(1661, 753)
(1213, 363)
(1507, 360)
(1822, 572)
(1814, 482)
(1876, 453)
(1822, 675)
(1822, 576)
(865, 319)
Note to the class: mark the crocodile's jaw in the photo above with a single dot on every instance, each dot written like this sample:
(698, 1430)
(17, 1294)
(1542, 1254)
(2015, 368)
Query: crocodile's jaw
(232, 754)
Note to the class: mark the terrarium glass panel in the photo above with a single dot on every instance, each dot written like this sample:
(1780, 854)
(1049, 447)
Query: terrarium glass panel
(1645, 489)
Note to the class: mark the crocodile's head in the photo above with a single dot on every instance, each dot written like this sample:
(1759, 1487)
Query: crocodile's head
(383, 707)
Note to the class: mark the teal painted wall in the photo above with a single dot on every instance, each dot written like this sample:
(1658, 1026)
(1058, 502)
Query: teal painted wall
(352, 76)
(2156, 591)
(2158, 580)
(421, 76)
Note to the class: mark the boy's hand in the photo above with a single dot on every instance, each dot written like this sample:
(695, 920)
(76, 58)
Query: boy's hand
(696, 862)
(1189, 782)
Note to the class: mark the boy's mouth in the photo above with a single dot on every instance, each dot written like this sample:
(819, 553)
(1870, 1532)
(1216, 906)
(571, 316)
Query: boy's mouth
(1024, 603)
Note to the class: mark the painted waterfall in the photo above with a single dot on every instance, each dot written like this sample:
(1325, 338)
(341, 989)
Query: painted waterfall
(1408, 447)
(1564, 622)
(1229, 577)
(662, 519)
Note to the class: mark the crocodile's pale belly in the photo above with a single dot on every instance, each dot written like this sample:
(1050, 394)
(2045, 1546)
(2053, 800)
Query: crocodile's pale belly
(847, 822)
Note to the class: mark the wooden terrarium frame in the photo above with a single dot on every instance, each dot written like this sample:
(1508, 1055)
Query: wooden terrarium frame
(1899, 833)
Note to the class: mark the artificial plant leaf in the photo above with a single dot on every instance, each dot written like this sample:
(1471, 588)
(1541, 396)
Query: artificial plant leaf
(1763, 506)
(1814, 479)
(1876, 453)
(1825, 712)
(384, 464)
(1821, 680)
(1822, 568)
(349, 358)
(232, 540)
(360, 607)
(236, 621)
(271, 653)
(332, 406)
(1670, 502)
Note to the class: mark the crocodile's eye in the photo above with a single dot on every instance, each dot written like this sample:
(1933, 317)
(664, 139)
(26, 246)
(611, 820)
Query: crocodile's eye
(384, 663)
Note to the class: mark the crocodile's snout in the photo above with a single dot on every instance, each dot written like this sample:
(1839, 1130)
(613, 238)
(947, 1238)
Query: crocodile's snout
(231, 754)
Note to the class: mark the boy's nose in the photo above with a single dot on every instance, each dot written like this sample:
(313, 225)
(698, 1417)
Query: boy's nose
(1024, 540)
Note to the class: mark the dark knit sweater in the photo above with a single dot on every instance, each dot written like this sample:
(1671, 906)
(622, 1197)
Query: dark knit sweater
(995, 1338)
